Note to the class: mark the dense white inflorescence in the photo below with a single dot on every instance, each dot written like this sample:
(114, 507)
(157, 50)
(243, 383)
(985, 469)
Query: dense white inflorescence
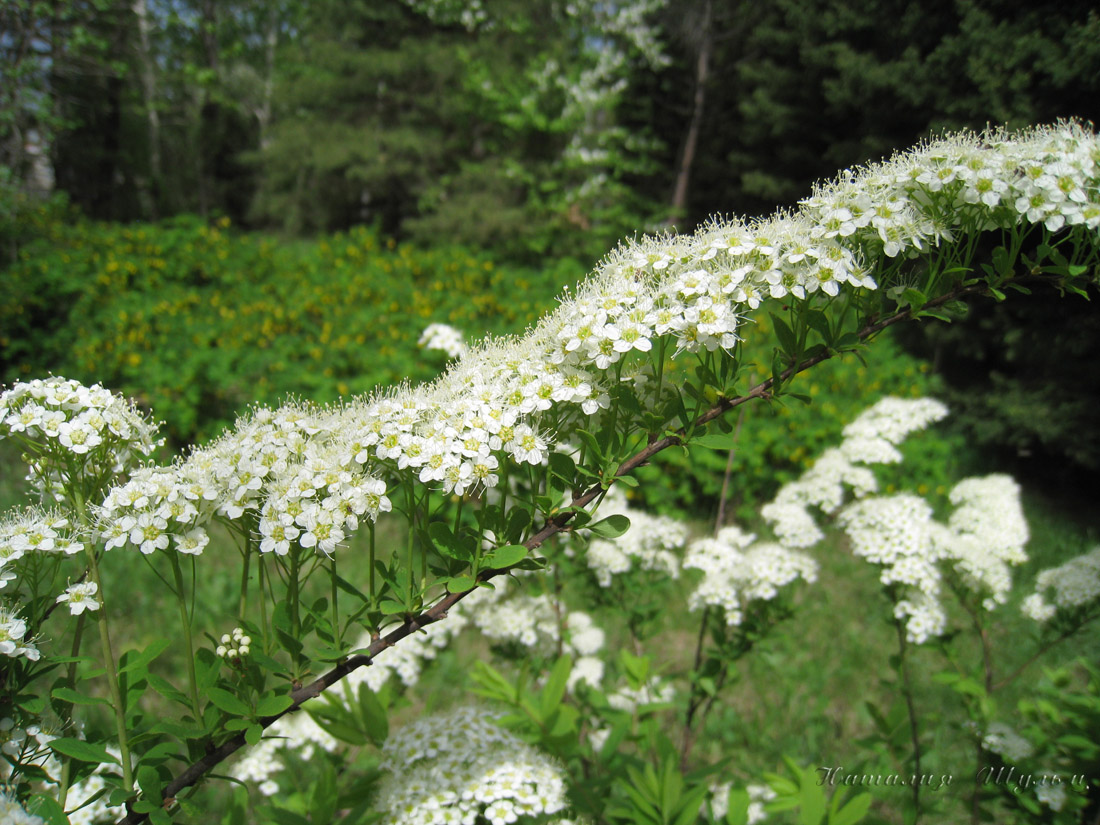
(1002, 740)
(872, 438)
(262, 764)
(984, 537)
(310, 475)
(444, 338)
(651, 543)
(758, 795)
(738, 569)
(12, 813)
(1075, 584)
(459, 766)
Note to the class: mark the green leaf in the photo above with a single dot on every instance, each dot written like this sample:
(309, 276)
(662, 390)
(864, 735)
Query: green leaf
(391, 608)
(812, 803)
(786, 336)
(168, 690)
(82, 751)
(505, 556)
(142, 659)
(610, 527)
(75, 697)
(338, 722)
(273, 704)
(562, 466)
(738, 811)
(591, 444)
(819, 323)
(554, 689)
(224, 700)
(151, 785)
(457, 584)
(853, 812)
(715, 441)
(253, 734)
(322, 807)
(374, 716)
(452, 545)
(48, 808)
(519, 520)
(914, 297)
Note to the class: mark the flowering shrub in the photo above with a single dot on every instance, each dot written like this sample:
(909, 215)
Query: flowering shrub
(446, 486)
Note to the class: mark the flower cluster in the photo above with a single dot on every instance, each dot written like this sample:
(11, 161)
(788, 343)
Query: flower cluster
(872, 438)
(406, 660)
(308, 476)
(297, 731)
(1075, 584)
(540, 623)
(897, 532)
(983, 538)
(758, 795)
(443, 337)
(34, 531)
(738, 570)
(1002, 740)
(986, 535)
(651, 543)
(235, 646)
(12, 813)
(459, 767)
(59, 418)
(23, 744)
(13, 641)
(655, 691)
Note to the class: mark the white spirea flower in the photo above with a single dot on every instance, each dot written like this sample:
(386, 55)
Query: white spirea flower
(34, 530)
(463, 764)
(80, 597)
(874, 435)
(655, 692)
(406, 660)
(96, 811)
(1052, 795)
(758, 795)
(897, 533)
(1072, 585)
(872, 438)
(13, 631)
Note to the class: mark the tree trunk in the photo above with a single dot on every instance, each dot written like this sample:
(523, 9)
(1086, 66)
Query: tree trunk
(704, 46)
(148, 189)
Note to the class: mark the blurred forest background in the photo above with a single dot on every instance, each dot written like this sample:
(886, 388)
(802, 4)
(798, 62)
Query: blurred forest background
(209, 202)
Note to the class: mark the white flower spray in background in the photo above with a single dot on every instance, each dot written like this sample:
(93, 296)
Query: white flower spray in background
(459, 766)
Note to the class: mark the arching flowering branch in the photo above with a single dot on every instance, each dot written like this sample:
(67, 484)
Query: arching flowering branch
(641, 358)
(556, 524)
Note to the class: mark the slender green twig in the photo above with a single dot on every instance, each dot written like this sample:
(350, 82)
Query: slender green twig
(185, 623)
(109, 665)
